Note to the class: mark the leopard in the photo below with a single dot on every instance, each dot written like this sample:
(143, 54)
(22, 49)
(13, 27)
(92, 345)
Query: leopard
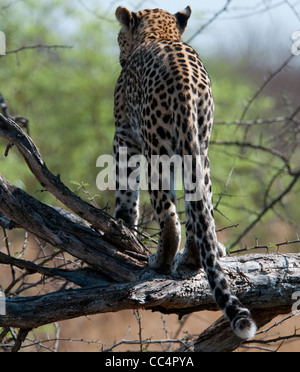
(164, 105)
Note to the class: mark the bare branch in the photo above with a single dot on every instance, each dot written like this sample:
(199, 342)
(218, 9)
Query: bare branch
(293, 8)
(271, 151)
(93, 12)
(264, 85)
(224, 340)
(112, 231)
(265, 246)
(279, 119)
(80, 241)
(217, 15)
(84, 277)
(274, 340)
(38, 46)
(20, 339)
(294, 181)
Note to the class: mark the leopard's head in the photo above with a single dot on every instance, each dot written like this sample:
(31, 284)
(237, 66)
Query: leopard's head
(146, 25)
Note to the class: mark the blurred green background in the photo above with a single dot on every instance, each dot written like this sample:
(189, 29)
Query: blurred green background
(67, 94)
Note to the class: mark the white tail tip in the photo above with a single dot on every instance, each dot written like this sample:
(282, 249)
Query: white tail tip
(245, 328)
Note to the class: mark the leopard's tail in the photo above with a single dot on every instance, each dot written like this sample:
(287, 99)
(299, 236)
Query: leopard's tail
(200, 216)
(206, 250)
(240, 317)
(204, 244)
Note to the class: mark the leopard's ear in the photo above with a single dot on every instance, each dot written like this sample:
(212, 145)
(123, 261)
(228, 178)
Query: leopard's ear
(183, 17)
(126, 17)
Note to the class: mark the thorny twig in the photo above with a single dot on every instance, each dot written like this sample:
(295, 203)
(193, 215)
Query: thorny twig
(264, 85)
(271, 205)
(261, 89)
(38, 46)
(264, 246)
(292, 337)
(210, 21)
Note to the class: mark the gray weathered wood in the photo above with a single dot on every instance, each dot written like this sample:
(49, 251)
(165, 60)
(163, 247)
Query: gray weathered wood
(266, 285)
(76, 239)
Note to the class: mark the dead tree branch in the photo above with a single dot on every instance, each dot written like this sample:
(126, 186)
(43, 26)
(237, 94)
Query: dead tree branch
(39, 46)
(116, 276)
(265, 83)
(210, 21)
(265, 283)
(259, 281)
(112, 231)
(294, 181)
(224, 340)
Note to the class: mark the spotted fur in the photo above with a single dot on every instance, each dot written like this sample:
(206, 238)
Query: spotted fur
(164, 106)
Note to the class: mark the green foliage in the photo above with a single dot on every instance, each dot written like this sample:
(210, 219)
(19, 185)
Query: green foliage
(249, 189)
(67, 94)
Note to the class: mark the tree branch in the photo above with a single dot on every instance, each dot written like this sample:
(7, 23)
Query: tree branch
(81, 277)
(296, 176)
(262, 282)
(113, 232)
(210, 21)
(264, 85)
(223, 339)
(39, 46)
(78, 240)
(271, 151)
